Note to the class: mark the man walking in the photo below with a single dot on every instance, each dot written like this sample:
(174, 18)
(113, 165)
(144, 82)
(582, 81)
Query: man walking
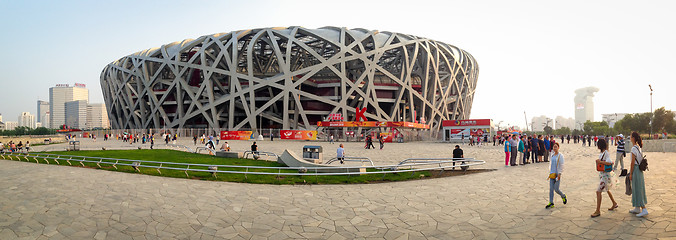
(620, 152)
(457, 155)
(340, 153)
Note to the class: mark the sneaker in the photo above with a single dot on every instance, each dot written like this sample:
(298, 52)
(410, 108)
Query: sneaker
(551, 205)
(565, 200)
(635, 210)
(643, 213)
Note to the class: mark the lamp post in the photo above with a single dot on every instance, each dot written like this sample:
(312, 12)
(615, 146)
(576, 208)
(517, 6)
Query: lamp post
(652, 115)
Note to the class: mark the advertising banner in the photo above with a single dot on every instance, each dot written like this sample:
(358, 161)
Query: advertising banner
(298, 134)
(387, 137)
(235, 135)
(467, 122)
(373, 124)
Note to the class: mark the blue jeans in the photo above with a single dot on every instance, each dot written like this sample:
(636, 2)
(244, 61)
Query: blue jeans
(554, 187)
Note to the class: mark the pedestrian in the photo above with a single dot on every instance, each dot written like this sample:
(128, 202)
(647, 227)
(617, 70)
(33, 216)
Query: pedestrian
(514, 145)
(494, 137)
(526, 150)
(152, 140)
(458, 154)
(607, 179)
(507, 150)
(534, 148)
(370, 139)
(555, 172)
(548, 148)
(380, 140)
(638, 197)
(567, 138)
(541, 146)
(19, 147)
(521, 149)
(340, 153)
(225, 147)
(28, 146)
(620, 153)
(194, 139)
(331, 139)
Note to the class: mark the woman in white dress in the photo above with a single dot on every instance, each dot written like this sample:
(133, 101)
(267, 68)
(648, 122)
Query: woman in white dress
(607, 179)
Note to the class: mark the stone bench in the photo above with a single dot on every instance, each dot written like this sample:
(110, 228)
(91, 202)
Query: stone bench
(229, 154)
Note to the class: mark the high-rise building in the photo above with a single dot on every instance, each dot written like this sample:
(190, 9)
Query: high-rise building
(11, 125)
(26, 119)
(0, 117)
(59, 95)
(612, 118)
(562, 122)
(43, 110)
(97, 116)
(76, 114)
(540, 122)
(584, 105)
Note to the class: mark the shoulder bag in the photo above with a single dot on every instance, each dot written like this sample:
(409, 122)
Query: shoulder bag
(553, 175)
(602, 167)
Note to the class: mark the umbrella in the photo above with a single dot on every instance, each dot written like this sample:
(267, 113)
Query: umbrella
(515, 133)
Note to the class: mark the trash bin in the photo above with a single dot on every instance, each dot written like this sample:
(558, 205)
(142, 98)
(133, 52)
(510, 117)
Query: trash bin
(313, 153)
(74, 146)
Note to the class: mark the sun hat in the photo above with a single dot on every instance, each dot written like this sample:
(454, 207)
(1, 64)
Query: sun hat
(620, 135)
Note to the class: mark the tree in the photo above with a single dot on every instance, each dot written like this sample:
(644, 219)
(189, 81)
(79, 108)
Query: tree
(548, 130)
(662, 119)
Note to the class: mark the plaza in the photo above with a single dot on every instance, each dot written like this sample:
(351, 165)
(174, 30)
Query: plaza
(40, 201)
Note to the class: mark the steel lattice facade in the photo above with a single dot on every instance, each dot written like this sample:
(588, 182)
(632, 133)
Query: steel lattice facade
(289, 78)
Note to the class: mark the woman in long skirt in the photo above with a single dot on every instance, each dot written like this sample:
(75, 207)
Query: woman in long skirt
(638, 197)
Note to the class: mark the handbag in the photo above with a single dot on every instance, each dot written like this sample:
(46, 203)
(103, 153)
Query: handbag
(602, 167)
(553, 175)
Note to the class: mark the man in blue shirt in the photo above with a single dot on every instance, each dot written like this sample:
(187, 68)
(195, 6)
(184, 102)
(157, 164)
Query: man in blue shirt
(548, 149)
(535, 148)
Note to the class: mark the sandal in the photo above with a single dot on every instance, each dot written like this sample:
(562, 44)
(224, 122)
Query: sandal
(612, 208)
(596, 214)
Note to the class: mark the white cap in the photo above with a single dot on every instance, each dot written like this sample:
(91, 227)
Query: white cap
(620, 135)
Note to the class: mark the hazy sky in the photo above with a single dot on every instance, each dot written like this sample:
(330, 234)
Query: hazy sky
(532, 54)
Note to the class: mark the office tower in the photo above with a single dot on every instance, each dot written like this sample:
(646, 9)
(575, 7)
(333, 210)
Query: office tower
(58, 96)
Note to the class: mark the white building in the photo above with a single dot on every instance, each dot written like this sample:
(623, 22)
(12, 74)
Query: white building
(612, 118)
(26, 119)
(11, 125)
(562, 122)
(43, 110)
(539, 123)
(76, 114)
(97, 116)
(584, 104)
(59, 95)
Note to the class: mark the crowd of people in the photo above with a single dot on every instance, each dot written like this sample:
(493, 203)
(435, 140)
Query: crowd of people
(15, 147)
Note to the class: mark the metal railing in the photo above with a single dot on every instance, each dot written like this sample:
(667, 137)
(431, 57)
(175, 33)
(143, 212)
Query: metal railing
(199, 149)
(213, 169)
(260, 153)
(351, 159)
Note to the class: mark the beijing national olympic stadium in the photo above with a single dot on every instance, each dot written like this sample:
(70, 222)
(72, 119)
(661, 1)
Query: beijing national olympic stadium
(289, 78)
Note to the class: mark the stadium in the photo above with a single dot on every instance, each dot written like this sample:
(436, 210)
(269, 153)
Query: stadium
(290, 78)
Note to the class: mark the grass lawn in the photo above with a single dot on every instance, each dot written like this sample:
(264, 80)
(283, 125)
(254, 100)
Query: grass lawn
(161, 155)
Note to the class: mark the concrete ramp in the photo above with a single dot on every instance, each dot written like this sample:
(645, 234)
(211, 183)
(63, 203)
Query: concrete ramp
(291, 159)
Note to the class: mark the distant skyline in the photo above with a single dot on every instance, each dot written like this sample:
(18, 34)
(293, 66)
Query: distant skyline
(532, 54)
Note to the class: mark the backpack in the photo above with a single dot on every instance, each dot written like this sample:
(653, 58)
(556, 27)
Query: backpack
(643, 166)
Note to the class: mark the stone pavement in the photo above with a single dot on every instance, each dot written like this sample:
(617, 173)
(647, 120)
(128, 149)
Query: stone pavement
(39, 201)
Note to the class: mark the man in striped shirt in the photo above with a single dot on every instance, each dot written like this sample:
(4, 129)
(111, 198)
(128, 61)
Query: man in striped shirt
(620, 152)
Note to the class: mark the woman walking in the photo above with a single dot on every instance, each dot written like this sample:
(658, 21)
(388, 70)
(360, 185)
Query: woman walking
(638, 197)
(507, 150)
(555, 170)
(607, 178)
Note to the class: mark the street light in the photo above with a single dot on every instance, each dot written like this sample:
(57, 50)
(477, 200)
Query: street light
(652, 115)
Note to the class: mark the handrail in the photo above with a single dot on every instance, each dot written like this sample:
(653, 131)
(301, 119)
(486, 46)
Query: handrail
(211, 151)
(269, 154)
(437, 159)
(136, 164)
(351, 159)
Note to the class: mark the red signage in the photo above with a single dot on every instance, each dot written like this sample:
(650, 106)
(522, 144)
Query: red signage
(335, 116)
(298, 134)
(235, 135)
(387, 137)
(466, 122)
(82, 85)
(360, 115)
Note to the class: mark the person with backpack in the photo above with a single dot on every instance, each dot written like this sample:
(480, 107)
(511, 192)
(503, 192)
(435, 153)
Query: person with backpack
(607, 177)
(638, 197)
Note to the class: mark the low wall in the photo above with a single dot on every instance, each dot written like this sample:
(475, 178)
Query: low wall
(665, 145)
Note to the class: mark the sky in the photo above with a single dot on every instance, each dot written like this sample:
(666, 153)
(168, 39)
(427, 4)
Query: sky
(532, 54)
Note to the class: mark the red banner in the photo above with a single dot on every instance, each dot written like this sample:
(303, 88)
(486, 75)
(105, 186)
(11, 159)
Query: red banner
(387, 137)
(235, 135)
(466, 122)
(373, 124)
(298, 134)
